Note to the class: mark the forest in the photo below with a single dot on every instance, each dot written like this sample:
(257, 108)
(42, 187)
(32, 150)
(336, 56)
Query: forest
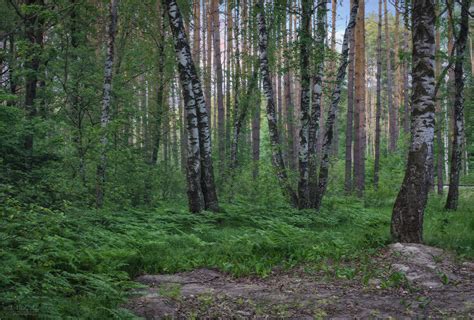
(236, 159)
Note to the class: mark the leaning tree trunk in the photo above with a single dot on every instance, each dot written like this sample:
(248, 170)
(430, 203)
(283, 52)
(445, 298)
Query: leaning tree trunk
(408, 211)
(277, 158)
(335, 97)
(201, 188)
(456, 151)
(106, 97)
(305, 44)
(316, 98)
(378, 101)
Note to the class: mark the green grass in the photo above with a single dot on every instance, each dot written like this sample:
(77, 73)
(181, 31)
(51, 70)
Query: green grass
(78, 263)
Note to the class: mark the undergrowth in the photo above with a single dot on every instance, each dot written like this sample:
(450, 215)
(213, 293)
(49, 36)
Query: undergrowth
(79, 263)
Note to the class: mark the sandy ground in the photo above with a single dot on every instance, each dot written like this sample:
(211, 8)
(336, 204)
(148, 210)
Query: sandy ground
(407, 281)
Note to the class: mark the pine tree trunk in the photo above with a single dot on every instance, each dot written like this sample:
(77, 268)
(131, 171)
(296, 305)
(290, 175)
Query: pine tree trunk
(277, 157)
(201, 187)
(335, 97)
(378, 101)
(457, 144)
(106, 97)
(408, 211)
(348, 181)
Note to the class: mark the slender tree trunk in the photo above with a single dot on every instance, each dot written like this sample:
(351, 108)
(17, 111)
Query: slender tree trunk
(289, 107)
(316, 99)
(335, 97)
(201, 187)
(378, 101)
(396, 67)
(34, 35)
(208, 78)
(305, 43)
(406, 101)
(332, 68)
(359, 110)
(408, 211)
(348, 182)
(439, 113)
(106, 97)
(457, 144)
(392, 146)
(219, 79)
(239, 115)
(277, 157)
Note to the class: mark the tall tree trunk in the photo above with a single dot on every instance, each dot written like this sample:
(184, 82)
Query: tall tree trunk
(457, 144)
(348, 181)
(378, 101)
(201, 188)
(289, 107)
(277, 157)
(408, 211)
(392, 146)
(33, 22)
(208, 77)
(106, 97)
(332, 68)
(335, 97)
(406, 102)
(439, 114)
(305, 44)
(219, 79)
(397, 68)
(239, 115)
(359, 107)
(316, 99)
(231, 77)
(197, 32)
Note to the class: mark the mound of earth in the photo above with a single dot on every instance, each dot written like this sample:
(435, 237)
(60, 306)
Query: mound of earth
(408, 281)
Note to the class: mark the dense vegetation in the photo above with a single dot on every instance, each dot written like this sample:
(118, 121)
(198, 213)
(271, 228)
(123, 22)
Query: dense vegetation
(97, 167)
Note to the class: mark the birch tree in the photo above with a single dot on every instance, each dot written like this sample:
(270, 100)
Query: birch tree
(408, 211)
(106, 98)
(378, 98)
(303, 156)
(277, 157)
(457, 144)
(335, 98)
(201, 188)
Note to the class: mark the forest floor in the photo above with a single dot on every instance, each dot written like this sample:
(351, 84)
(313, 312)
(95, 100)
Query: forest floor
(411, 281)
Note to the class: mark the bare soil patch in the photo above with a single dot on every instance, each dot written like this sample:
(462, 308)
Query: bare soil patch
(407, 281)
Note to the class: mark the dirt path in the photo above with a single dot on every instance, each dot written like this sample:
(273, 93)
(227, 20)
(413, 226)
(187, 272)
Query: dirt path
(409, 281)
